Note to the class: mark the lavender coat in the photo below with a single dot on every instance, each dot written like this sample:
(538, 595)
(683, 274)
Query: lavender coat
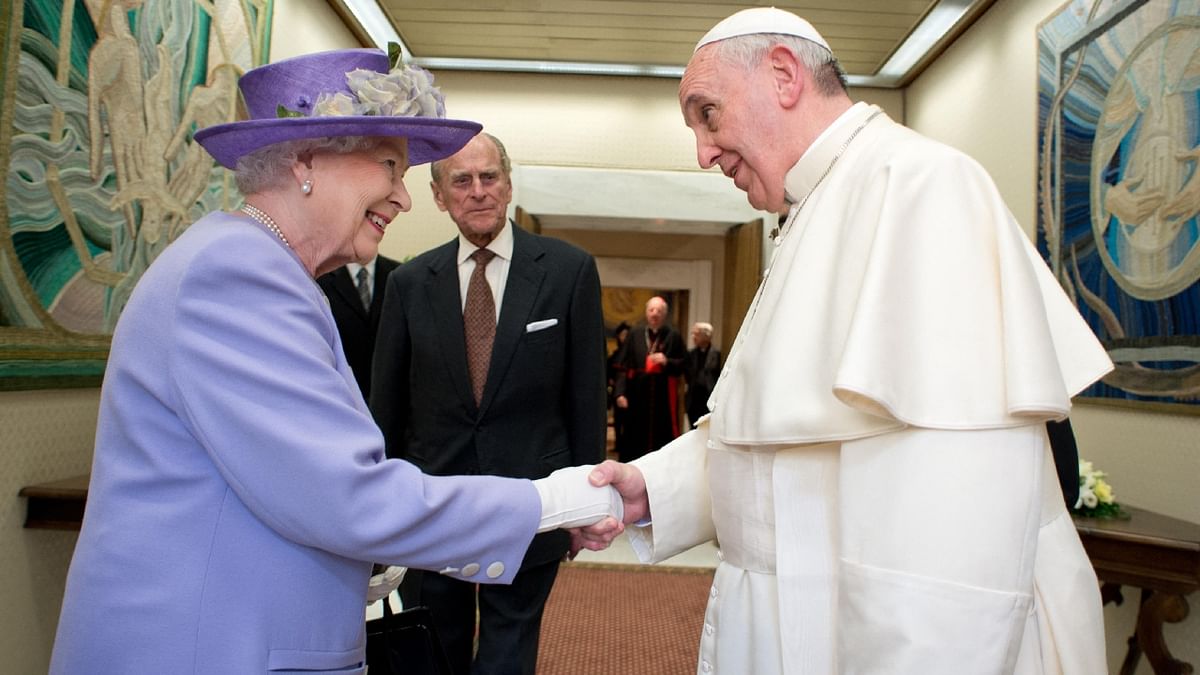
(239, 490)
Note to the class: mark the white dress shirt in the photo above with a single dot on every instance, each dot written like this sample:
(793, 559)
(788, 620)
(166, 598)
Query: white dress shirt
(497, 269)
(353, 269)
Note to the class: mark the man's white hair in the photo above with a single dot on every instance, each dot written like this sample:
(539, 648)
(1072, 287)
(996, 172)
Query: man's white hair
(746, 51)
(705, 328)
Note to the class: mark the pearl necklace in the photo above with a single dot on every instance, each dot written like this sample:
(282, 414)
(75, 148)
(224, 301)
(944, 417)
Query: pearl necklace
(257, 214)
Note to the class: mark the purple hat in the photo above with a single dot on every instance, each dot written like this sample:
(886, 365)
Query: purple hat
(346, 92)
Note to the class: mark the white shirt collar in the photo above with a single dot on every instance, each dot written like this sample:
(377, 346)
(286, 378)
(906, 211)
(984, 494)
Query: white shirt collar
(502, 245)
(354, 267)
(807, 171)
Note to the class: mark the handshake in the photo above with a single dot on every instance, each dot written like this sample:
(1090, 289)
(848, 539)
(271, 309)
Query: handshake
(593, 502)
(570, 500)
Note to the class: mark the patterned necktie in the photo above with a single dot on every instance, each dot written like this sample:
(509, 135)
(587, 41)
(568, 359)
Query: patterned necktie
(479, 322)
(364, 288)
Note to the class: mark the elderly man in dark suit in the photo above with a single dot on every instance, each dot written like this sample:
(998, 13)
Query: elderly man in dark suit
(355, 293)
(701, 370)
(490, 360)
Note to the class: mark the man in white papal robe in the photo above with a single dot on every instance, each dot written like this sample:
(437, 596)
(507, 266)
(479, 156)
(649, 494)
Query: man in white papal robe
(875, 467)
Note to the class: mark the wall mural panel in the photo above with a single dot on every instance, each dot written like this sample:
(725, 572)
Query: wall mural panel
(1119, 186)
(100, 99)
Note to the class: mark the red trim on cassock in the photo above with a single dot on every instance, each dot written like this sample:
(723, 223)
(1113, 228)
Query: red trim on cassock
(673, 401)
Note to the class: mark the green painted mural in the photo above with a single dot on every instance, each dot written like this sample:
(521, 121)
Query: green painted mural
(100, 100)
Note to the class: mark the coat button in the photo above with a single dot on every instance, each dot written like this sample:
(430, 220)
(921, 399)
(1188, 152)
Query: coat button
(708, 629)
(470, 569)
(706, 666)
(495, 570)
(713, 591)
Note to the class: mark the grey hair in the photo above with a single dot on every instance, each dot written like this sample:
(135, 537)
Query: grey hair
(747, 51)
(704, 327)
(435, 168)
(269, 167)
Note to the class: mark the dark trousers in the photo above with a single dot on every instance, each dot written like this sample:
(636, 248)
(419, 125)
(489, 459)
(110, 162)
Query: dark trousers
(510, 618)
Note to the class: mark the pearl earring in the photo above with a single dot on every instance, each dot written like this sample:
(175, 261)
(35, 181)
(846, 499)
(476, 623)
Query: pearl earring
(306, 188)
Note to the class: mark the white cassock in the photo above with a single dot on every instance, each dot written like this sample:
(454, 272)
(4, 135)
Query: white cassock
(875, 468)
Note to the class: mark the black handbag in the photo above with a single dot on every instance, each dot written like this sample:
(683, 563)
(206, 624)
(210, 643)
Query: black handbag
(405, 643)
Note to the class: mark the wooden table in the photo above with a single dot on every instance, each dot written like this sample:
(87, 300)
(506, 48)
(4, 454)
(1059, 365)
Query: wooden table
(1159, 555)
(1152, 552)
(57, 505)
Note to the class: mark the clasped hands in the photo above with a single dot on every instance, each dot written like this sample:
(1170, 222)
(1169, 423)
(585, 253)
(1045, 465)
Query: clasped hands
(624, 480)
(593, 503)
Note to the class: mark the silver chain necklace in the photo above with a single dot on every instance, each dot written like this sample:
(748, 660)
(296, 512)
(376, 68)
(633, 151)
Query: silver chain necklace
(777, 231)
(267, 222)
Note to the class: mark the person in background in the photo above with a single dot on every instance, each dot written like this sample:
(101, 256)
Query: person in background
(876, 466)
(620, 334)
(239, 491)
(647, 386)
(701, 369)
(490, 360)
(1066, 459)
(355, 293)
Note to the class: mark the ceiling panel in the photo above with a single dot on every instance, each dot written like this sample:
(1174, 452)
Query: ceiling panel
(540, 35)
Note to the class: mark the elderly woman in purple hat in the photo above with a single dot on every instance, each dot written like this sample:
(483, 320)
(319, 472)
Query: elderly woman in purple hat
(239, 489)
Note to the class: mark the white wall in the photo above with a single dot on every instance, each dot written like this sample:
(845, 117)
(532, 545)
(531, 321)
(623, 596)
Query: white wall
(44, 436)
(306, 26)
(981, 96)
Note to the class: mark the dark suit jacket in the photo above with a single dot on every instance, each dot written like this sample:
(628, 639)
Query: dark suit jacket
(701, 370)
(543, 405)
(357, 326)
(1066, 458)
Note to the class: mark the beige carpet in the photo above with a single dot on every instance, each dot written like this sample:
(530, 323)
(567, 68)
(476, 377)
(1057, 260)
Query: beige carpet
(606, 619)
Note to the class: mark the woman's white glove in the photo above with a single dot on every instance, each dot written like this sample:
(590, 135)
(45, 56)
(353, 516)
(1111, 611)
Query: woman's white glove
(382, 584)
(569, 500)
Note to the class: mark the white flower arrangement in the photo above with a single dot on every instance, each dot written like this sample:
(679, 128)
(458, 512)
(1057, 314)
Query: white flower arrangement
(1095, 494)
(404, 91)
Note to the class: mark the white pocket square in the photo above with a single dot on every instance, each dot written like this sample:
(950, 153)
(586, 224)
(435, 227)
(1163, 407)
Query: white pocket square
(540, 325)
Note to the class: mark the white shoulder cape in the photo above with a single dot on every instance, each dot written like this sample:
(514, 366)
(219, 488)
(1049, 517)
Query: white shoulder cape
(903, 292)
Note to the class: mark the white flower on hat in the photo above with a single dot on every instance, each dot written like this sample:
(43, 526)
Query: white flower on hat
(334, 105)
(404, 91)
